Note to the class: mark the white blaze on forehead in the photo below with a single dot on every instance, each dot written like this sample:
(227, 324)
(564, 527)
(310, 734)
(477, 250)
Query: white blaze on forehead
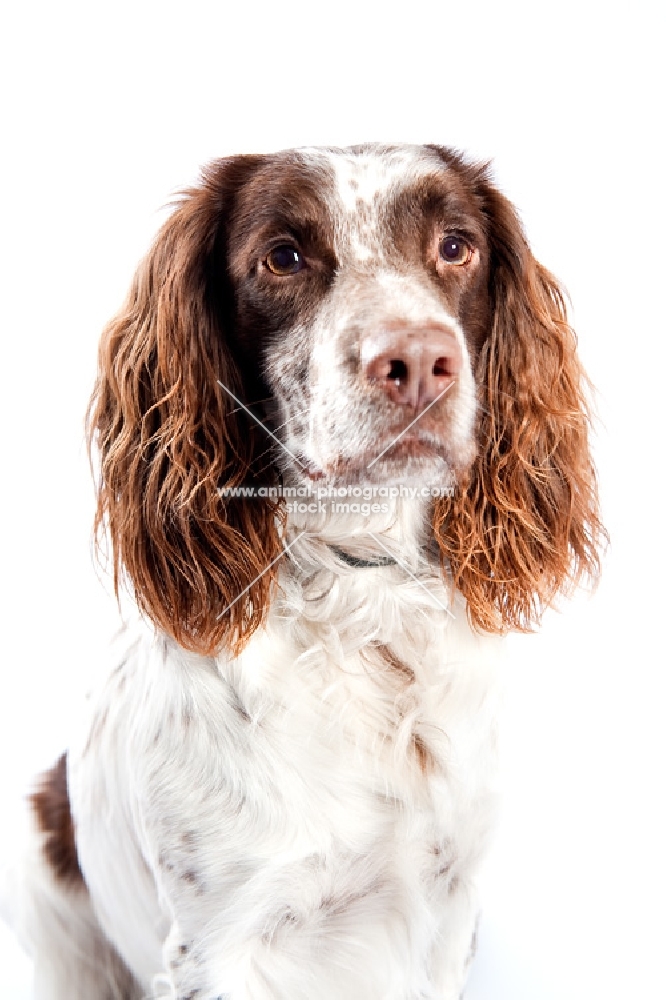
(372, 175)
(363, 182)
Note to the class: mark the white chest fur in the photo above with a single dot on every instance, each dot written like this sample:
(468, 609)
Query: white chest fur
(332, 787)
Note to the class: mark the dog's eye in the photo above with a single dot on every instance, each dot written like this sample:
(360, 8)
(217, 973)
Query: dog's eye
(284, 260)
(455, 250)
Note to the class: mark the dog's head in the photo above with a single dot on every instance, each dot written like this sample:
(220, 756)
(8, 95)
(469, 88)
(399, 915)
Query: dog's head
(379, 311)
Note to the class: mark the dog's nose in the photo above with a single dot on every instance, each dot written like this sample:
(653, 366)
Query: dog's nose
(413, 365)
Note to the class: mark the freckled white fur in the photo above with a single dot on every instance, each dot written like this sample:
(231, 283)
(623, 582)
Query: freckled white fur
(365, 175)
(261, 827)
(372, 291)
(364, 182)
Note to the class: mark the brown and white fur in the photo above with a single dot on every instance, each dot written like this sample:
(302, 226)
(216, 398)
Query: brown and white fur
(284, 783)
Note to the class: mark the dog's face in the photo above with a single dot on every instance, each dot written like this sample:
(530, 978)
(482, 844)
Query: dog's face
(381, 308)
(360, 287)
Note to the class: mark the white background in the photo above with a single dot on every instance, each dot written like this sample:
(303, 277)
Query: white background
(107, 111)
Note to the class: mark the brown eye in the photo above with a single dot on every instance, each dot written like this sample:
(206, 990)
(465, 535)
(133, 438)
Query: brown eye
(455, 250)
(284, 260)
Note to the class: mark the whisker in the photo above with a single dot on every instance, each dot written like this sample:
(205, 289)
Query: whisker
(258, 472)
(237, 409)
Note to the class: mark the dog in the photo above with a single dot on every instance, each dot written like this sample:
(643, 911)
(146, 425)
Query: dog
(342, 439)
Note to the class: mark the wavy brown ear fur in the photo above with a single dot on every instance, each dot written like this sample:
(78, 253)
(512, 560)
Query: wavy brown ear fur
(526, 524)
(169, 436)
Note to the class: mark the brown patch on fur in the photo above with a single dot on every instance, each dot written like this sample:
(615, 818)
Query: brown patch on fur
(51, 807)
(195, 880)
(420, 215)
(425, 759)
(395, 663)
(283, 202)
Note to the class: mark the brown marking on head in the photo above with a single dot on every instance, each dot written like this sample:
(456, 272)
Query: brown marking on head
(50, 803)
(282, 204)
(420, 216)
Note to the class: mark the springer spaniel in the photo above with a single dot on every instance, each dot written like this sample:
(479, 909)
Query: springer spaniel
(343, 447)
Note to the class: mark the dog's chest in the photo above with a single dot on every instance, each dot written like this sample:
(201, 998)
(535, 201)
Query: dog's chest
(376, 734)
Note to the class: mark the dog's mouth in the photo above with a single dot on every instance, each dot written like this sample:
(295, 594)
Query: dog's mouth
(418, 455)
(409, 458)
(408, 447)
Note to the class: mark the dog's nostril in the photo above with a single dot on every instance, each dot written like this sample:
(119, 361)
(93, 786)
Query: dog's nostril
(415, 366)
(398, 369)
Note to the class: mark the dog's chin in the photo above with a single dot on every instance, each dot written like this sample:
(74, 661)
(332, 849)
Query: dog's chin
(406, 465)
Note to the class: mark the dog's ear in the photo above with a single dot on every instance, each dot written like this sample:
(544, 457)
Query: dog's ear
(170, 436)
(526, 524)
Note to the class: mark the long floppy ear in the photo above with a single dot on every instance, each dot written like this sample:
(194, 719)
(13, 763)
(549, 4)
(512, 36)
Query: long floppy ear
(526, 524)
(170, 437)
